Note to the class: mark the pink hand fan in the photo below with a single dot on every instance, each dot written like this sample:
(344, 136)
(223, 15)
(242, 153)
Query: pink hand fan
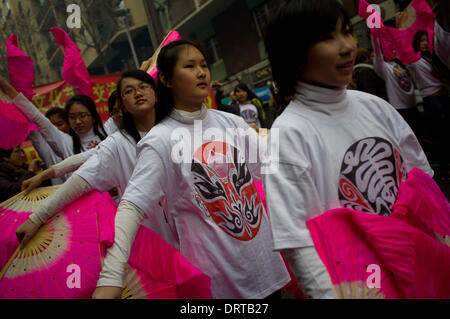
(14, 126)
(69, 239)
(154, 258)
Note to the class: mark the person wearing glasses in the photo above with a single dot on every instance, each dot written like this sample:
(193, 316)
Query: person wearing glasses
(86, 128)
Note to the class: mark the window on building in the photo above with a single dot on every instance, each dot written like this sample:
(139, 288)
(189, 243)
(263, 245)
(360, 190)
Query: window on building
(261, 15)
(213, 50)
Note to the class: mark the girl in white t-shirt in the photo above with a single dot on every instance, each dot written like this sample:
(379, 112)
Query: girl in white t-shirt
(111, 163)
(86, 128)
(250, 106)
(328, 137)
(195, 163)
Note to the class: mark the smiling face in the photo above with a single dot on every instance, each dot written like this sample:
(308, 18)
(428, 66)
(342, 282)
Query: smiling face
(190, 79)
(330, 62)
(80, 119)
(138, 97)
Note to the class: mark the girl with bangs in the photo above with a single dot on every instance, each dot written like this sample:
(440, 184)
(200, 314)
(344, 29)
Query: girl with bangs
(328, 136)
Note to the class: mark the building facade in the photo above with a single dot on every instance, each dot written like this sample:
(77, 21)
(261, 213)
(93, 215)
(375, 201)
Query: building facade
(118, 35)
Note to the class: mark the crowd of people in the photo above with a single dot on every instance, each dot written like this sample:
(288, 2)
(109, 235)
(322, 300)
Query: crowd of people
(336, 124)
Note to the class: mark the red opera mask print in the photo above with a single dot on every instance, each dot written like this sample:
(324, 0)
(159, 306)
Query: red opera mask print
(225, 190)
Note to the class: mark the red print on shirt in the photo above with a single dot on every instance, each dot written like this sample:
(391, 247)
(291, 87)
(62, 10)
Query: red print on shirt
(225, 188)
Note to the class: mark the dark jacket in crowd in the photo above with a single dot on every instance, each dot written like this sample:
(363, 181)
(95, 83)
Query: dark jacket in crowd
(11, 179)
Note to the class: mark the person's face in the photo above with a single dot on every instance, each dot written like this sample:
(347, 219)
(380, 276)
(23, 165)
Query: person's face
(17, 157)
(423, 43)
(241, 95)
(80, 119)
(60, 123)
(330, 62)
(138, 97)
(190, 79)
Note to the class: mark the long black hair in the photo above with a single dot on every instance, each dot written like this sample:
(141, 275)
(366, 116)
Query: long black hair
(127, 120)
(167, 58)
(311, 21)
(97, 126)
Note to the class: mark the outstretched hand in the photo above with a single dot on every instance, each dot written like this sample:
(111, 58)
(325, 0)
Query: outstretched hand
(26, 232)
(107, 292)
(31, 183)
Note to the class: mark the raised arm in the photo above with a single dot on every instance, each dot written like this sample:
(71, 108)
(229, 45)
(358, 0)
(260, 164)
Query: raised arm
(378, 61)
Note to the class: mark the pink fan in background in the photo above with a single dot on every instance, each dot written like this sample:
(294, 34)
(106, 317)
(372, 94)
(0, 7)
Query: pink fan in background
(14, 126)
(171, 36)
(74, 69)
(20, 67)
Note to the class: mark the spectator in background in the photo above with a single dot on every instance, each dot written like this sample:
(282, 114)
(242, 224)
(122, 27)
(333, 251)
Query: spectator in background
(250, 106)
(399, 87)
(230, 108)
(13, 171)
(364, 77)
(56, 116)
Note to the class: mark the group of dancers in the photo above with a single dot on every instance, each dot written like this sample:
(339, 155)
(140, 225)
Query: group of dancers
(329, 140)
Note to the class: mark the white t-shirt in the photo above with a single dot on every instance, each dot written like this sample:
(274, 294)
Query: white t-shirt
(442, 44)
(249, 113)
(60, 142)
(337, 148)
(399, 86)
(211, 204)
(47, 154)
(422, 73)
(112, 165)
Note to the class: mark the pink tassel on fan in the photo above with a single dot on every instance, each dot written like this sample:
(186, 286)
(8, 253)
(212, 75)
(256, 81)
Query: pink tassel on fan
(152, 70)
(74, 70)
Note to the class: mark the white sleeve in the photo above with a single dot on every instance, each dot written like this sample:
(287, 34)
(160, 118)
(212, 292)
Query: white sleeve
(69, 165)
(61, 143)
(72, 189)
(410, 147)
(310, 273)
(128, 219)
(292, 199)
(43, 149)
(110, 126)
(145, 188)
